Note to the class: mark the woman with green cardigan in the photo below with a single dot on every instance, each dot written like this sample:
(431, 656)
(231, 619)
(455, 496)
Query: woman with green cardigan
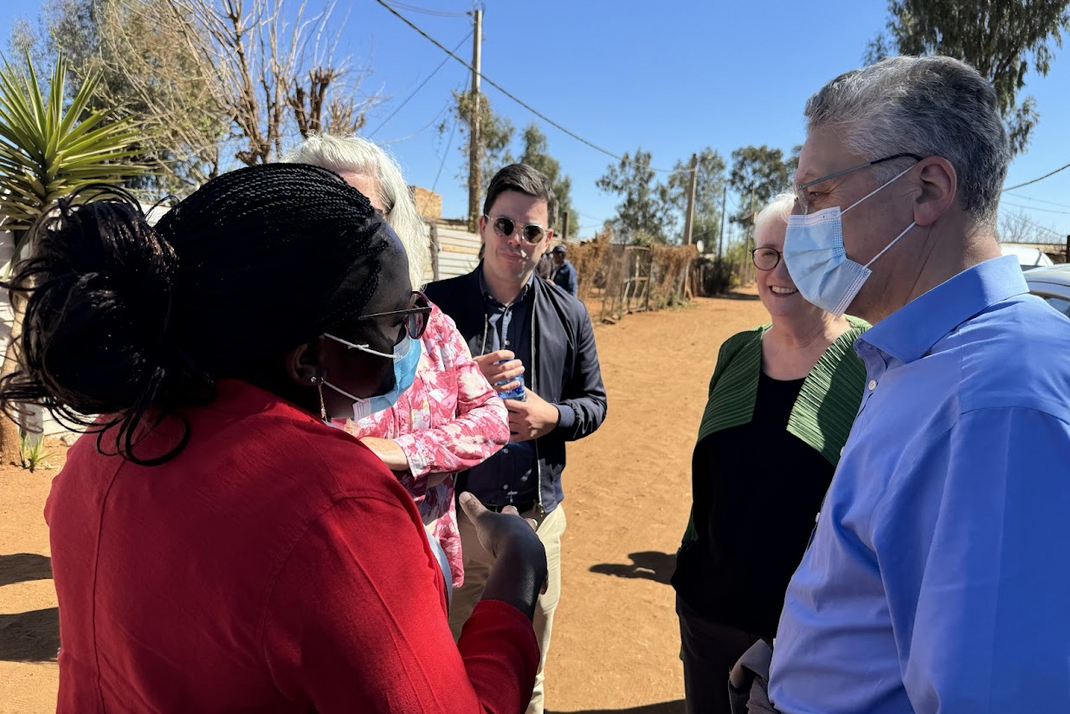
(781, 404)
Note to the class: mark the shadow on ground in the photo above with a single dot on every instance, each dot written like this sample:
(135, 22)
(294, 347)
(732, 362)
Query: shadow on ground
(733, 295)
(676, 707)
(30, 636)
(23, 567)
(647, 565)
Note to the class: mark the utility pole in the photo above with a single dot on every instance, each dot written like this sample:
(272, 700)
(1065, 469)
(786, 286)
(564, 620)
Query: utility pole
(564, 226)
(689, 219)
(724, 213)
(750, 241)
(475, 153)
(1068, 249)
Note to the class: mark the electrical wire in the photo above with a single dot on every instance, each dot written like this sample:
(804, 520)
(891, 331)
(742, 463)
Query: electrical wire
(1061, 168)
(1034, 208)
(445, 153)
(1038, 226)
(519, 101)
(1040, 200)
(426, 11)
(422, 84)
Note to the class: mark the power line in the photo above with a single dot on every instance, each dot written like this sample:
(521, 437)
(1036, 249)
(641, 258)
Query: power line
(426, 11)
(1033, 208)
(444, 155)
(1040, 200)
(1038, 226)
(428, 79)
(516, 99)
(1061, 168)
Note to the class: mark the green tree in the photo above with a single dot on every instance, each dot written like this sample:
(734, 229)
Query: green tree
(537, 156)
(644, 211)
(50, 148)
(758, 174)
(495, 134)
(709, 189)
(211, 83)
(1004, 40)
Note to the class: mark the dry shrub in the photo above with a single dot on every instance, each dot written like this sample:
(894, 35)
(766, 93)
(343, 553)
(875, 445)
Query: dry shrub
(668, 273)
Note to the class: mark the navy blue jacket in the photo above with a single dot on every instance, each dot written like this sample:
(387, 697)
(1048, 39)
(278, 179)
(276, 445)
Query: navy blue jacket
(564, 276)
(566, 369)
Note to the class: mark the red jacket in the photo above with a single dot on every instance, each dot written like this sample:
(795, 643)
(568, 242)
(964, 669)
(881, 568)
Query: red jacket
(274, 565)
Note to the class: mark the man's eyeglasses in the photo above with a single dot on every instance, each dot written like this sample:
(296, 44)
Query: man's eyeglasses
(800, 188)
(415, 316)
(531, 232)
(765, 258)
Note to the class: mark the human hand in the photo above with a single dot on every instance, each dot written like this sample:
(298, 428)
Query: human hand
(494, 530)
(531, 418)
(506, 372)
(388, 452)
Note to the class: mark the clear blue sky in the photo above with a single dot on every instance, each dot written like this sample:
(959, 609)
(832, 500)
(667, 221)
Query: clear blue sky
(670, 77)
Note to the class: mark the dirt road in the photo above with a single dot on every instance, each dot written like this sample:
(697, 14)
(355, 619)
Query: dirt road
(627, 490)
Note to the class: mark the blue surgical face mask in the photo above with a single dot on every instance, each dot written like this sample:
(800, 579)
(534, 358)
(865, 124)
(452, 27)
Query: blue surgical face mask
(406, 359)
(818, 262)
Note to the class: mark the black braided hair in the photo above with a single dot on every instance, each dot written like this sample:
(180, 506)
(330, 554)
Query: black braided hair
(135, 322)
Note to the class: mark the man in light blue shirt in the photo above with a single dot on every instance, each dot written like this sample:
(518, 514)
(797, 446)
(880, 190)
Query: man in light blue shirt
(938, 577)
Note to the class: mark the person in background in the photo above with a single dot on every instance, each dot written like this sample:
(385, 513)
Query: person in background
(521, 327)
(781, 403)
(450, 419)
(564, 273)
(216, 544)
(936, 581)
(545, 267)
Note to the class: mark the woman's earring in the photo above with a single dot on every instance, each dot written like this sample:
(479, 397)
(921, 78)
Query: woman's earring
(319, 389)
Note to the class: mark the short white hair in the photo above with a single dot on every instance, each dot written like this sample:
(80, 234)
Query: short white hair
(779, 209)
(356, 155)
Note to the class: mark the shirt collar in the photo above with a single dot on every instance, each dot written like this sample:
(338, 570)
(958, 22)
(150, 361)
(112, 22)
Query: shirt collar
(912, 330)
(485, 290)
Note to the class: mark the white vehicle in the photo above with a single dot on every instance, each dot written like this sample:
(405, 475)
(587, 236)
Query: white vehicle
(1052, 284)
(1029, 257)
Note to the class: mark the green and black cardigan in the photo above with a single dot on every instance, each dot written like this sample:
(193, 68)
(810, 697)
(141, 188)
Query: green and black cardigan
(826, 406)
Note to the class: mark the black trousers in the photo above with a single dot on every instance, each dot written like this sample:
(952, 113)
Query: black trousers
(709, 650)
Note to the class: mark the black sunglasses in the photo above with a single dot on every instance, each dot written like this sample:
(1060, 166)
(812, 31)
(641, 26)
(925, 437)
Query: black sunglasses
(415, 316)
(531, 232)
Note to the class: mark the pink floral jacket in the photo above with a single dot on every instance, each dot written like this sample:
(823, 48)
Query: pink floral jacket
(450, 420)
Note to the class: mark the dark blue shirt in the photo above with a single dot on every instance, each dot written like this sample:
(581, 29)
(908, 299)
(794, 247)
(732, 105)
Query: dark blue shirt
(564, 276)
(511, 475)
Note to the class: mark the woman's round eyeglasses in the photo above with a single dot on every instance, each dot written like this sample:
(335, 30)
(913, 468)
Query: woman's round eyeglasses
(765, 258)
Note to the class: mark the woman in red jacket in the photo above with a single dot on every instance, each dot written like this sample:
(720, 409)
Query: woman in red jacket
(216, 545)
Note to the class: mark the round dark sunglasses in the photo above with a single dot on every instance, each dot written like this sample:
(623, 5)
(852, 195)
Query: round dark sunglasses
(505, 227)
(415, 316)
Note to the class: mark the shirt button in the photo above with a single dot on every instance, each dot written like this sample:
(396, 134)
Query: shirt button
(872, 384)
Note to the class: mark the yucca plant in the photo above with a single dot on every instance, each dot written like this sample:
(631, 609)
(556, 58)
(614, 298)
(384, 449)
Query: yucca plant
(50, 147)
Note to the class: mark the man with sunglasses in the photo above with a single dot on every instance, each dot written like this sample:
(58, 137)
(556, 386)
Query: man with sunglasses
(534, 342)
(935, 580)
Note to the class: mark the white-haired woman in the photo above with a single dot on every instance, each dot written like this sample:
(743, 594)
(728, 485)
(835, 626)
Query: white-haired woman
(781, 404)
(451, 418)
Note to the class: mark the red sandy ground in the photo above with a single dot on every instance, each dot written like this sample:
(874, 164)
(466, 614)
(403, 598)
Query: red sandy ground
(616, 639)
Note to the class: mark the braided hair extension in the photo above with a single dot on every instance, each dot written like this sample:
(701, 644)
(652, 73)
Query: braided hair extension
(136, 322)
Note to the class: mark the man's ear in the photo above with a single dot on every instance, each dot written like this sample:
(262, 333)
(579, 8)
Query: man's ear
(938, 182)
(303, 363)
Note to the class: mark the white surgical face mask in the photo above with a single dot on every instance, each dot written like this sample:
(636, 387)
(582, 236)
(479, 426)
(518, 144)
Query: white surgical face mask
(406, 357)
(818, 262)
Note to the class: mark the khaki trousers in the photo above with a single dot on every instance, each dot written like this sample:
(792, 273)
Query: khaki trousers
(477, 565)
